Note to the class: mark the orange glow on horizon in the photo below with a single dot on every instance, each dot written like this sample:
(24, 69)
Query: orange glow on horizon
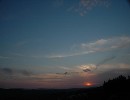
(88, 84)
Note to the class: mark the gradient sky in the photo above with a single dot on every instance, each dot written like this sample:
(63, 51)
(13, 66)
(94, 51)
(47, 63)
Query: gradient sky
(63, 43)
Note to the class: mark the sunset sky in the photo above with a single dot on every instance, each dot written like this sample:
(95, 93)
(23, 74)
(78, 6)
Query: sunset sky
(63, 43)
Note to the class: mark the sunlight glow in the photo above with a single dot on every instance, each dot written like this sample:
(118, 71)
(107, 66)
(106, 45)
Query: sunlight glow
(88, 84)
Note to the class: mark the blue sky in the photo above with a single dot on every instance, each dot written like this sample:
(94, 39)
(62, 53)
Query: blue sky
(41, 40)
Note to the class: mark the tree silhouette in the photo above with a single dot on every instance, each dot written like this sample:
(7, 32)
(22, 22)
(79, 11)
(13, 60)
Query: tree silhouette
(117, 85)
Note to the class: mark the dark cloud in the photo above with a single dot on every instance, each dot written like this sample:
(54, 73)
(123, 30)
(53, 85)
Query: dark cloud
(87, 70)
(25, 72)
(106, 60)
(65, 73)
(6, 70)
(59, 73)
(11, 71)
(68, 73)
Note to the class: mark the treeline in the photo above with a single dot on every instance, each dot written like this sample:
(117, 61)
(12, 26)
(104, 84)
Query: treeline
(117, 85)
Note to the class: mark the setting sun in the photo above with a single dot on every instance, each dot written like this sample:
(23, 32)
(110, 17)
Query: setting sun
(88, 84)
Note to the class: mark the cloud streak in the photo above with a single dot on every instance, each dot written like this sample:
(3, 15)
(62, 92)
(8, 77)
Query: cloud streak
(11, 71)
(100, 45)
(106, 60)
(3, 57)
(69, 55)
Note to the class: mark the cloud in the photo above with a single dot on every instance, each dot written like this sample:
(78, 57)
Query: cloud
(25, 72)
(59, 80)
(21, 43)
(96, 46)
(106, 67)
(87, 48)
(11, 71)
(78, 70)
(65, 68)
(107, 44)
(19, 55)
(86, 70)
(47, 77)
(102, 67)
(87, 67)
(68, 55)
(106, 60)
(6, 70)
(83, 6)
(3, 57)
(29, 56)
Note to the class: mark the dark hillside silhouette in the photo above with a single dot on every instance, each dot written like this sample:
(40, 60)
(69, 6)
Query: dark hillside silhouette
(114, 89)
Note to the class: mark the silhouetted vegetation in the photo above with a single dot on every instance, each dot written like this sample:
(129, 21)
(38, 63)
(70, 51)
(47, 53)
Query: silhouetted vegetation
(118, 88)
(119, 84)
(114, 89)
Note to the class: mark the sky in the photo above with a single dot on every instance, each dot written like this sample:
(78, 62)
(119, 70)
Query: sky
(63, 43)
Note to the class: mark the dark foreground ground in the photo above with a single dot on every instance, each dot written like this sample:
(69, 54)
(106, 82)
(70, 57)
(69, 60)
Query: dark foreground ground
(116, 89)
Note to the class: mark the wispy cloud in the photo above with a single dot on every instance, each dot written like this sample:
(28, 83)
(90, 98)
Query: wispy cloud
(107, 44)
(84, 6)
(19, 55)
(47, 77)
(85, 48)
(21, 43)
(68, 55)
(106, 67)
(4, 57)
(65, 68)
(29, 56)
(96, 46)
(106, 60)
